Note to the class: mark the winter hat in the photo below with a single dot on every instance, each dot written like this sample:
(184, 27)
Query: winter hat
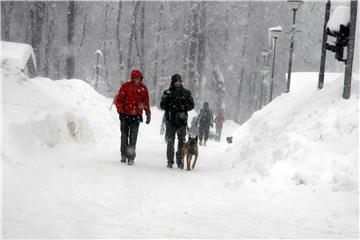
(174, 78)
(136, 73)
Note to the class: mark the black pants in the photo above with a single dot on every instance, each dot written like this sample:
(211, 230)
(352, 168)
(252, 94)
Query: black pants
(129, 131)
(171, 130)
(204, 133)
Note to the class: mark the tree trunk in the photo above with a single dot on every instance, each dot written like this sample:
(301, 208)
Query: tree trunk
(140, 49)
(202, 50)
(106, 47)
(37, 14)
(97, 72)
(157, 50)
(193, 81)
(132, 37)
(186, 50)
(83, 32)
(244, 57)
(227, 30)
(219, 85)
(239, 96)
(142, 36)
(120, 51)
(50, 35)
(6, 9)
(70, 59)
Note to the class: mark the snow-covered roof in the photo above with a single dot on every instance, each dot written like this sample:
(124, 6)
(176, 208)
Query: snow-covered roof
(20, 52)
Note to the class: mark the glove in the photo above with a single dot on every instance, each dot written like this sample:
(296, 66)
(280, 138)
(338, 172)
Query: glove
(148, 119)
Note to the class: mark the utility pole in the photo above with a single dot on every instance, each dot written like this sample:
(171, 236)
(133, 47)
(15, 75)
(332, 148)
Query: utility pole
(350, 50)
(294, 6)
(70, 59)
(323, 47)
(292, 39)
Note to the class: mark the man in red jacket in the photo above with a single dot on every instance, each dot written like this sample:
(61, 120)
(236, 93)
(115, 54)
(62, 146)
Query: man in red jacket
(132, 98)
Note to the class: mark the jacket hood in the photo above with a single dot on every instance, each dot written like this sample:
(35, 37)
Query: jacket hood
(136, 73)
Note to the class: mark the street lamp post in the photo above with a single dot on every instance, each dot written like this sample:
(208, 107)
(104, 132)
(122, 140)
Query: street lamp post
(294, 5)
(274, 33)
(264, 53)
(273, 68)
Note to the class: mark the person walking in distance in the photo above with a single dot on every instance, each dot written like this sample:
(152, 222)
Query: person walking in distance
(219, 122)
(132, 99)
(176, 101)
(205, 120)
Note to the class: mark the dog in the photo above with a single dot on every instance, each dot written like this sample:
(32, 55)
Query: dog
(188, 150)
(229, 140)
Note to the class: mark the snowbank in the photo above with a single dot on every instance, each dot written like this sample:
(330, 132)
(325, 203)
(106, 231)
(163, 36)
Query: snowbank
(306, 137)
(40, 112)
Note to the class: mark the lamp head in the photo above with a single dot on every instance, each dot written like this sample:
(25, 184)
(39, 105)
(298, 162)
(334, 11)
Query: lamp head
(274, 32)
(264, 52)
(295, 4)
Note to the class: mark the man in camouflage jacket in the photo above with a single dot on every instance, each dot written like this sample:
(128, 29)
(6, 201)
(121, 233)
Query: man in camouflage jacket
(176, 101)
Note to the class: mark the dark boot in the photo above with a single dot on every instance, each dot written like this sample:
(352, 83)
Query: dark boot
(123, 158)
(180, 165)
(169, 165)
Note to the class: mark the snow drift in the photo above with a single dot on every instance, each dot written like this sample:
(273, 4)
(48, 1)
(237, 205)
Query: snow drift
(306, 137)
(40, 112)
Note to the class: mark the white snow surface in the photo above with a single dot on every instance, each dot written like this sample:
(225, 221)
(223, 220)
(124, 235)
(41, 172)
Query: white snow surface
(292, 171)
(340, 15)
(20, 52)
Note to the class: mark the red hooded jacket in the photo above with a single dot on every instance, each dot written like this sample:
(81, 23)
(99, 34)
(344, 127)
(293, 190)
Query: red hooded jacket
(132, 98)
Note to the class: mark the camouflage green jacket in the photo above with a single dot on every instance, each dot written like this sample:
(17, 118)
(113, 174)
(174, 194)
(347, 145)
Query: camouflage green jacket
(177, 102)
